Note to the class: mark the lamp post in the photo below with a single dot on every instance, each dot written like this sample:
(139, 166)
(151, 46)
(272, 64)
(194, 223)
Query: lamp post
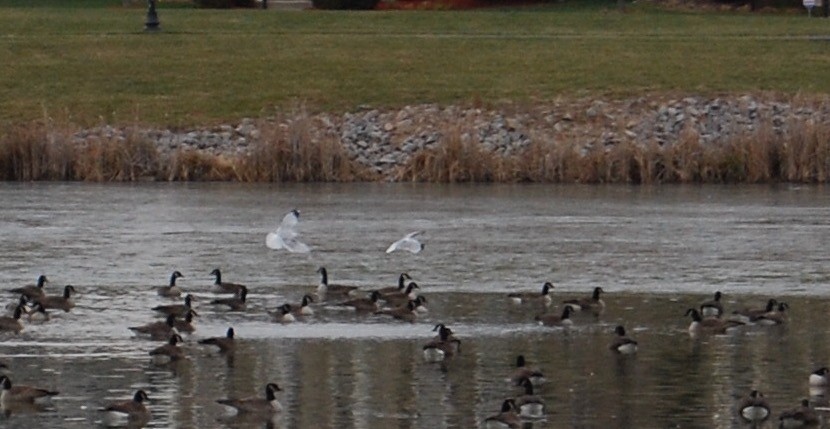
(152, 23)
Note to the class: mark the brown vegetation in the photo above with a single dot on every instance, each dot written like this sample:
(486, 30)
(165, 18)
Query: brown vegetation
(43, 152)
(760, 157)
(288, 153)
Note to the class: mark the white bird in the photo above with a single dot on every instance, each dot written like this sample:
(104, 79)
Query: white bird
(285, 237)
(408, 243)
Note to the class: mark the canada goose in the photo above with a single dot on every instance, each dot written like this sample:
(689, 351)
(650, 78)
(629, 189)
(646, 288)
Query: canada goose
(285, 237)
(236, 303)
(400, 288)
(12, 394)
(622, 343)
(408, 243)
(283, 314)
(169, 352)
(221, 287)
(797, 417)
(186, 325)
(401, 298)
(443, 347)
(550, 319)
(331, 289)
(443, 331)
(63, 302)
(507, 418)
(421, 304)
(178, 310)
(254, 405)
(12, 324)
(775, 317)
(225, 344)
(125, 412)
(754, 408)
(750, 315)
(364, 304)
(709, 325)
(171, 290)
(819, 377)
(33, 291)
(304, 308)
(594, 303)
(523, 371)
(38, 314)
(157, 330)
(407, 312)
(712, 307)
(525, 297)
(530, 405)
(22, 302)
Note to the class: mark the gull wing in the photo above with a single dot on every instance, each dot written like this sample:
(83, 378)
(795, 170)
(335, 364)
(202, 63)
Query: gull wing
(408, 243)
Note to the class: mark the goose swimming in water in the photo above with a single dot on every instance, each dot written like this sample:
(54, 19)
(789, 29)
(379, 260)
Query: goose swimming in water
(525, 297)
(622, 343)
(171, 290)
(754, 407)
(254, 405)
(326, 289)
(63, 302)
(594, 303)
(225, 344)
(507, 418)
(223, 287)
(33, 291)
(397, 289)
(127, 413)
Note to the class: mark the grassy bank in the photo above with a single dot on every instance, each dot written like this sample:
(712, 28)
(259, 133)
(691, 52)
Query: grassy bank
(94, 64)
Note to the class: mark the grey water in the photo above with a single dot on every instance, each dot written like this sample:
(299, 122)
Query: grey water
(656, 251)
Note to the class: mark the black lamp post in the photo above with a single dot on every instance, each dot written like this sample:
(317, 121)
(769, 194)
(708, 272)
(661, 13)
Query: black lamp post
(152, 23)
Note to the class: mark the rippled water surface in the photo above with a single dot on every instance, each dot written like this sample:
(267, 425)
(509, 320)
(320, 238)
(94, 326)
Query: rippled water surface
(655, 251)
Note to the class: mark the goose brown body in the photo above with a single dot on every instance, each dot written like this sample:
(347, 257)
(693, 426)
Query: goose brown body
(19, 393)
(178, 310)
(171, 290)
(257, 405)
(225, 344)
(236, 303)
(32, 291)
(223, 287)
(157, 330)
(61, 302)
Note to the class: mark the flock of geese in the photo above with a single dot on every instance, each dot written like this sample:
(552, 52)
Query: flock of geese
(401, 302)
(708, 318)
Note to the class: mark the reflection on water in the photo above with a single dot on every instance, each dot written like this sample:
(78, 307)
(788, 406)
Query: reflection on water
(656, 253)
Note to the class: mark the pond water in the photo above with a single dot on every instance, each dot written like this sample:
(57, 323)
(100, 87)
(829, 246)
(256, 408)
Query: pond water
(655, 251)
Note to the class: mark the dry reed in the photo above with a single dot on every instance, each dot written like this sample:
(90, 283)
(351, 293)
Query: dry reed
(763, 156)
(288, 151)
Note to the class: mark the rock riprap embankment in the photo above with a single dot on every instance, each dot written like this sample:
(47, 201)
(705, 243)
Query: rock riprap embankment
(385, 139)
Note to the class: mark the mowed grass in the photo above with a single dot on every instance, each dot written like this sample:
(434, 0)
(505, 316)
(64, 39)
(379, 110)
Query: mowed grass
(94, 63)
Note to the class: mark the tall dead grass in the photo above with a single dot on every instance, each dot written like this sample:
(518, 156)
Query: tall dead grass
(289, 152)
(763, 156)
(43, 151)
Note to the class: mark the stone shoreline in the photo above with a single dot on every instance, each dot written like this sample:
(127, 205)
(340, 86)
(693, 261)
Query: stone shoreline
(383, 140)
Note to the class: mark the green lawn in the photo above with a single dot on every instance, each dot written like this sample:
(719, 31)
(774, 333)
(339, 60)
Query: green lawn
(92, 61)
